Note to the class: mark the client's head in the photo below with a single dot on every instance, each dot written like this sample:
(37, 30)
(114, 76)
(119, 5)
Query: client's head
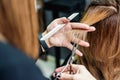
(102, 58)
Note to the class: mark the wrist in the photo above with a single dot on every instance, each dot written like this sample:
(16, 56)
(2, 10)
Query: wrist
(44, 43)
(47, 40)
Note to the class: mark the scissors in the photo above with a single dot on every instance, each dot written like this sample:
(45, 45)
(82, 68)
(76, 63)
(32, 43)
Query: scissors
(70, 60)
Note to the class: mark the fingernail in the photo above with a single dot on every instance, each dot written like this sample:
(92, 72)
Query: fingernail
(92, 28)
(87, 44)
(87, 26)
(79, 53)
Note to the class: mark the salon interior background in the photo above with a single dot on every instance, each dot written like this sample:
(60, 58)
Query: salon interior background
(47, 11)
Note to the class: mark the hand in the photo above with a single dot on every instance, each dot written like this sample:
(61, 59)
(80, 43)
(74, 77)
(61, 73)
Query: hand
(80, 73)
(65, 36)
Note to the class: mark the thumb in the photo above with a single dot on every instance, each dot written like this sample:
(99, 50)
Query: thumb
(66, 76)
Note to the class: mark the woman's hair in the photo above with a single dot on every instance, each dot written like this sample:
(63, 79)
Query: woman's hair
(18, 24)
(102, 58)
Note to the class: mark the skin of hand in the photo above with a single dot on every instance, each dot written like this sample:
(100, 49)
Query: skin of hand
(64, 36)
(79, 73)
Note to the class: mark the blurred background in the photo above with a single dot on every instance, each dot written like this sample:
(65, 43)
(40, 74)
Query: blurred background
(48, 10)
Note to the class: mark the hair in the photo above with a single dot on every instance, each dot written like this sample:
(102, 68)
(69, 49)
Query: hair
(102, 58)
(18, 24)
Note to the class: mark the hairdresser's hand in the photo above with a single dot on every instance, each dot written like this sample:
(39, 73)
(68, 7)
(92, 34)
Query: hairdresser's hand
(65, 36)
(79, 73)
